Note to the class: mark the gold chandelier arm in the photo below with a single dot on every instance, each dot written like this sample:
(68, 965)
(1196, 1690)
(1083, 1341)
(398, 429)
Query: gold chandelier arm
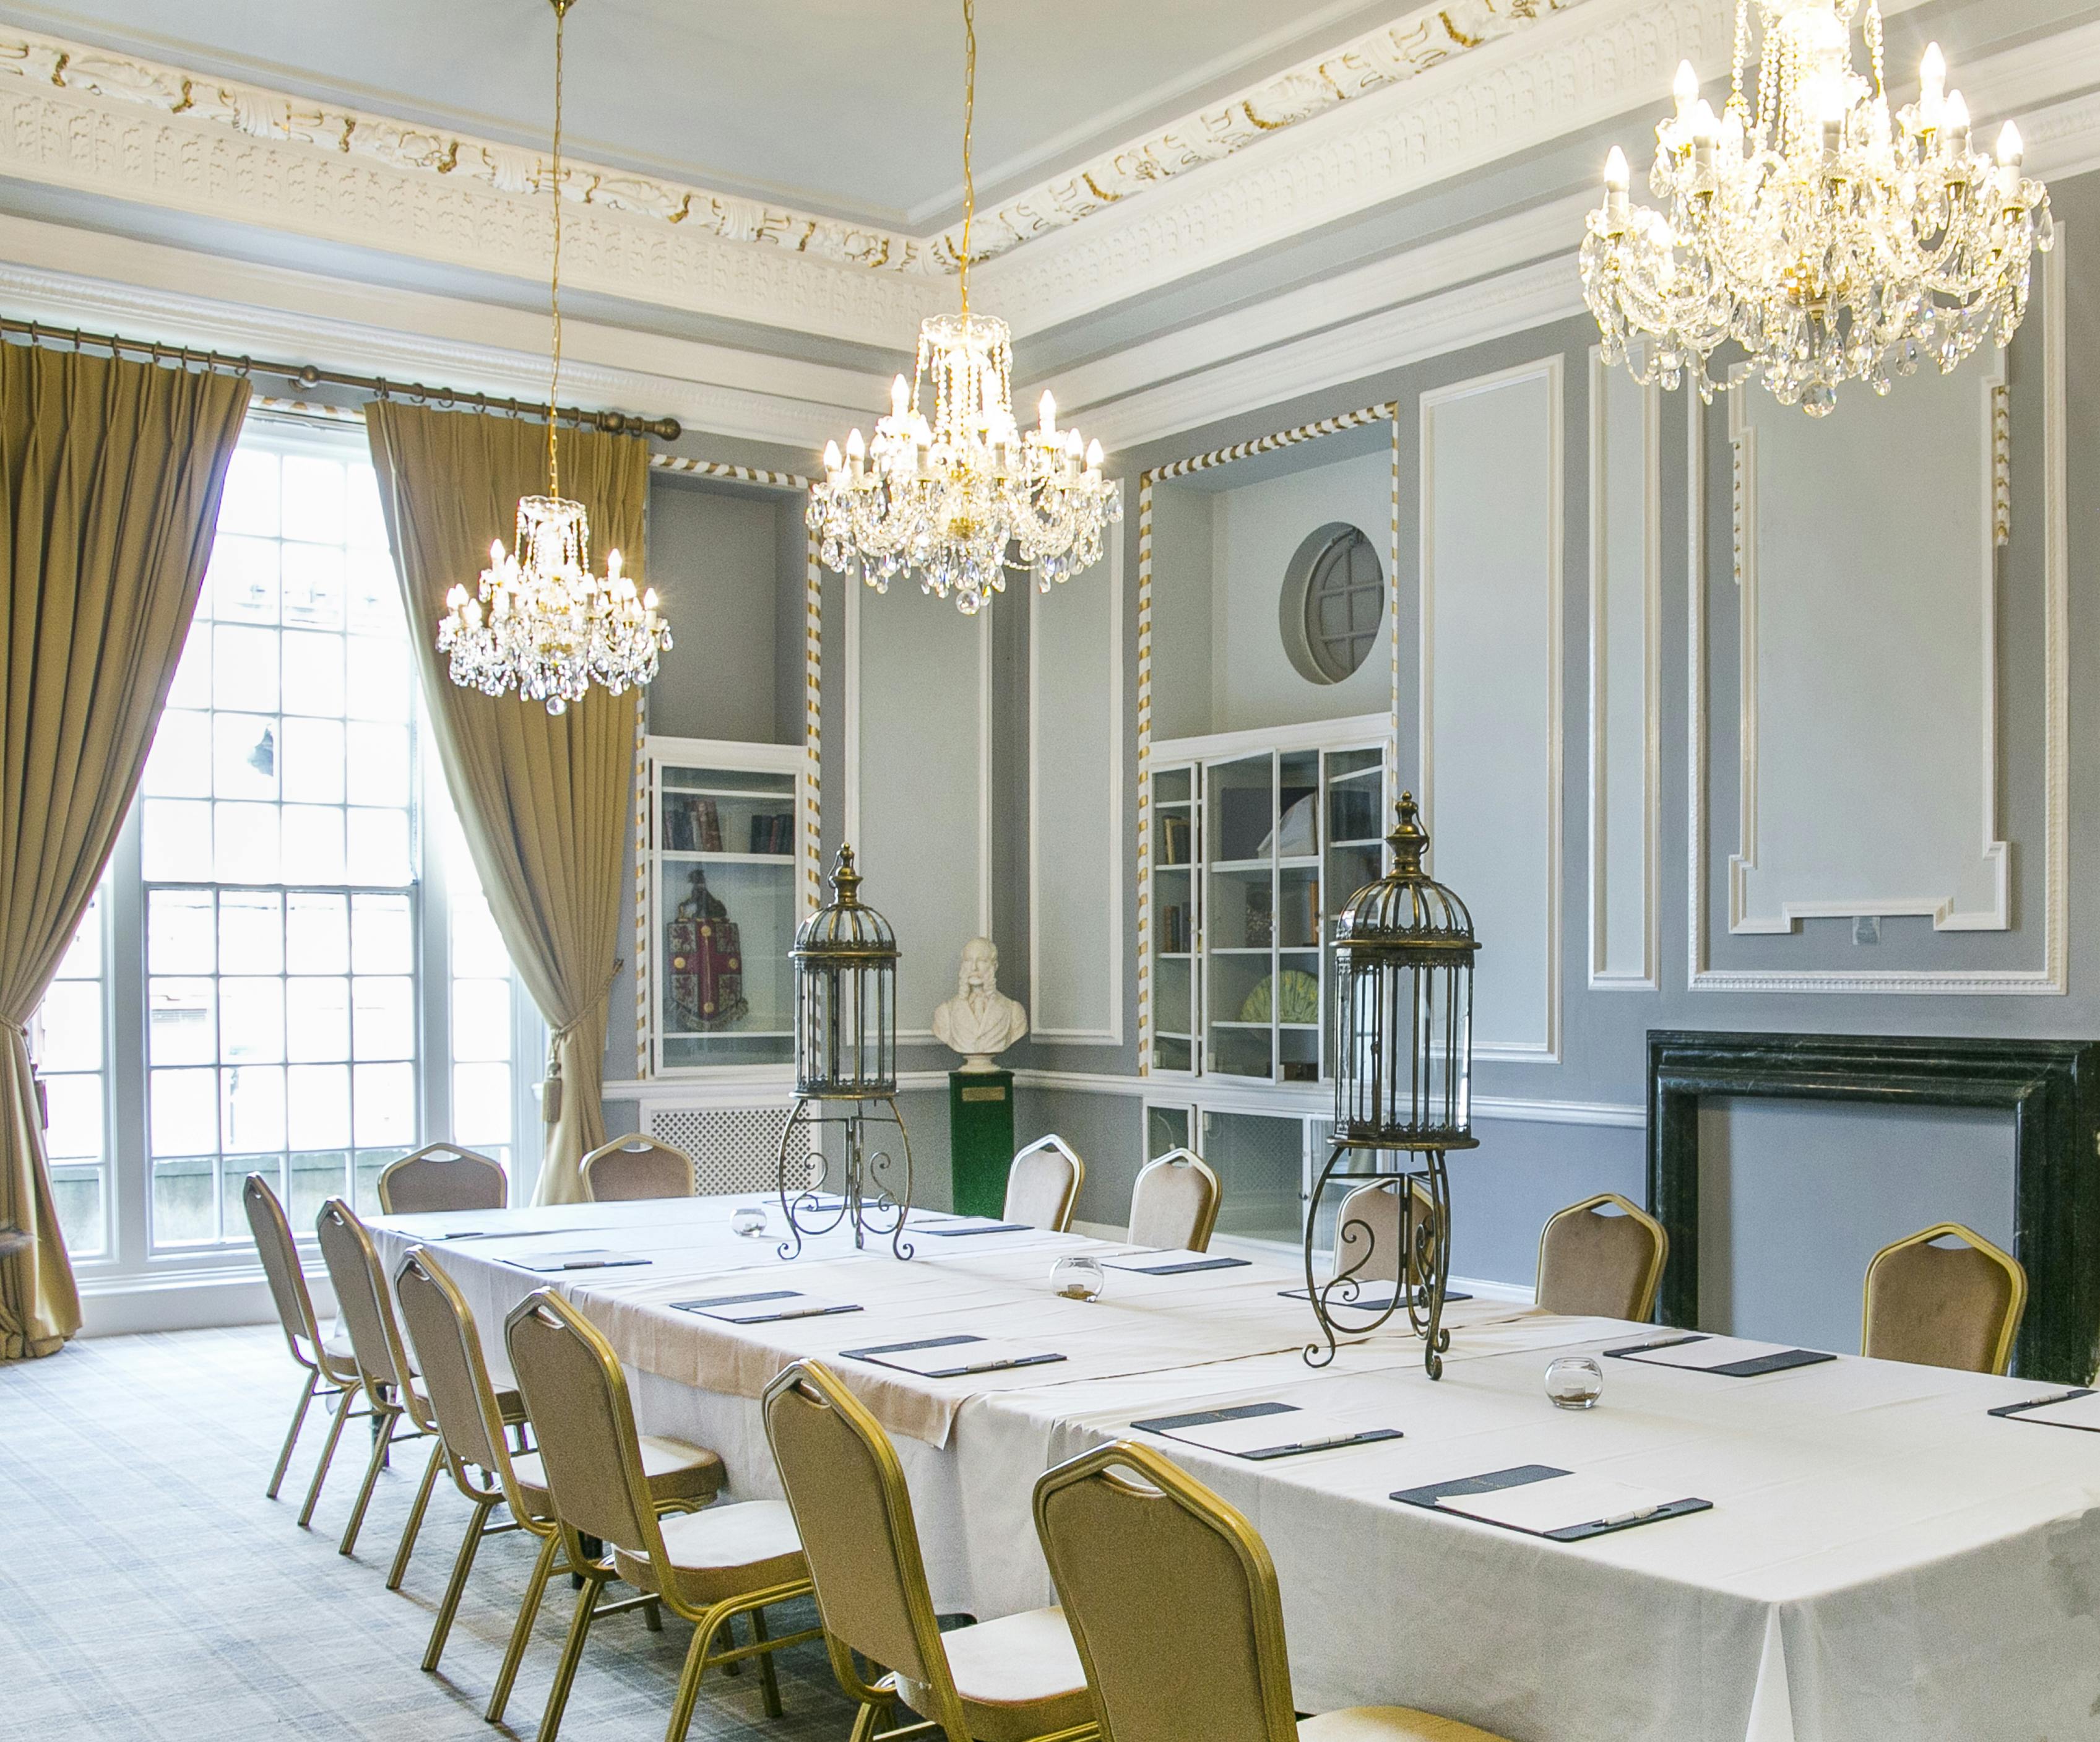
(969, 127)
(554, 284)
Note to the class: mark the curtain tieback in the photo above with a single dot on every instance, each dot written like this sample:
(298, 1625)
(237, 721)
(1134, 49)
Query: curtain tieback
(550, 1089)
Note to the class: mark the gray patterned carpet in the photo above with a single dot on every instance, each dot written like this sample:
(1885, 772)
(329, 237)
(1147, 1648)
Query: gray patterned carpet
(149, 1590)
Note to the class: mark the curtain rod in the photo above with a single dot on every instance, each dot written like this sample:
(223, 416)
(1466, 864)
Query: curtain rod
(309, 375)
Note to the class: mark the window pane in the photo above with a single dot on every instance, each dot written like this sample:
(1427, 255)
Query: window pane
(383, 1018)
(185, 1113)
(179, 931)
(477, 945)
(245, 842)
(243, 668)
(378, 679)
(193, 685)
(379, 764)
(76, 1191)
(314, 499)
(481, 1103)
(383, 1103)
(378, 847)
(481, 1019)
(313, 585)
(249, 504)
(365, 525)
(175, 839)
(180, 764)
(185, 1206)
(251, 932)
(316, 1019)
(251, 1021)
(68, 1028)
(313, 843)
(317, 934)
(315, 1178)
(313, 761)
(181, 1027)
(252, 1102)
(75, 1132)
(313, 672)
(317, 1115)
(244, 756)
(382, 941)
(83, 957)
(242, 580)
(375, 595)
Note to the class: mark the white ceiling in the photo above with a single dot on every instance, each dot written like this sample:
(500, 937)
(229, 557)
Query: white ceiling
(851, 108)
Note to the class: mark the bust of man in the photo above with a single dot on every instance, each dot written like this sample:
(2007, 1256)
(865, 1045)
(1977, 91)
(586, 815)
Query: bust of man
(979, 1021)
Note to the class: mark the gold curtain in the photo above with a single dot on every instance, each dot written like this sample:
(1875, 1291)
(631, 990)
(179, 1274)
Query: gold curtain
(542, 798)
(113, 472)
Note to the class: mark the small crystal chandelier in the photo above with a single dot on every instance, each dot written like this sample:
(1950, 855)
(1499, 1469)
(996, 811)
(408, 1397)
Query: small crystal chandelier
(542, 623)
(1832, 240)
(949, 497)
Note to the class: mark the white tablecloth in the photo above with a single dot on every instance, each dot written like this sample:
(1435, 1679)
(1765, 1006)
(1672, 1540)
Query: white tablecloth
(1883, 1559)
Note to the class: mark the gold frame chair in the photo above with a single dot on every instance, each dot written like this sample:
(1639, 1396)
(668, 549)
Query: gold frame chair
(907, 1644)
(647, 1562)
(2016, 1304)
(1261, 1677)
(1075, 1177)
(1652, 1280)
(636, 1145)
(426, 1166)
(327, 1373)
(1206, 1219)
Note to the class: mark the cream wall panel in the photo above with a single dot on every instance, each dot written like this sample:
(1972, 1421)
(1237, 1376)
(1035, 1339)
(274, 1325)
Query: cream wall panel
(1625, 666)
(1491, 740)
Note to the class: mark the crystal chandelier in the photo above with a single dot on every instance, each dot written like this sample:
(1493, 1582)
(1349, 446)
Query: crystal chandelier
(542, 623)
(1832, 239)
(952, 498)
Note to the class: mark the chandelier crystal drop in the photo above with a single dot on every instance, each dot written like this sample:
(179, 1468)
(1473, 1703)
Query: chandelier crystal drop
(1832, 238)
(541, 622)
(962, 499)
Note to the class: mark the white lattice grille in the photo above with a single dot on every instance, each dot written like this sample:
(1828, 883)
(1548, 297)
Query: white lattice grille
(734, 1148)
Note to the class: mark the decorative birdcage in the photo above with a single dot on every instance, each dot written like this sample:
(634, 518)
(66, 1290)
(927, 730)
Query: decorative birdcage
(845, 1076)
(1402, 1051)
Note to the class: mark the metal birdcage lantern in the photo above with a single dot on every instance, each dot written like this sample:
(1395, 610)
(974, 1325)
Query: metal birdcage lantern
(1402, 1051)
(845, 1076)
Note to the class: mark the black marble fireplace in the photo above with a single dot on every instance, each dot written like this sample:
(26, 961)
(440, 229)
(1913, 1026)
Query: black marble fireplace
(2050, 1088)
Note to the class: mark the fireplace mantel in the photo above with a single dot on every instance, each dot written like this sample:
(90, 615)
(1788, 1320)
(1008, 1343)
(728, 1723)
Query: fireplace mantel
(2050, 1088)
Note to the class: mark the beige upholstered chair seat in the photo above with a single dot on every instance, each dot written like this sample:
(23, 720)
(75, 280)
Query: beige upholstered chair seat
(675, 1472)
(335, 1350)
(1387, 1724)
(1019, 1677)
(723, 1552)
(508, 1404)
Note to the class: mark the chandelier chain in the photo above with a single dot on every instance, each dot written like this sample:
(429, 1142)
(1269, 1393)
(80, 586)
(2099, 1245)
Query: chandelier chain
(969, 128)
(554, 282)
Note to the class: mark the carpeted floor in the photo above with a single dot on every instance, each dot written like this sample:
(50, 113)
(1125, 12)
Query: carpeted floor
(149, 1590)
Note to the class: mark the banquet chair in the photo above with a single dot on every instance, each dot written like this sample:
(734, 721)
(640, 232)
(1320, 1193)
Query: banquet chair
(1940, 1305)
(1002, 1681)
(635, 1166)
(1595, 1266)
(331, 1367)
(1043, 1185)
(367, 1306)
(1174, 1205)
(708, 1567)
(1173, 1600)
(446, 1347)
(1371, 1234)
(443, 1176)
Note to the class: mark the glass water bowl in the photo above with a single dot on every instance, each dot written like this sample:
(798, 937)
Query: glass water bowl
(749, 1221)
(1078, 1276)
(1575, 1381)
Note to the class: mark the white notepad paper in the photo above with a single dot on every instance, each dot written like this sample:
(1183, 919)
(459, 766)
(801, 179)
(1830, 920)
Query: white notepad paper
(949, 1360)
(1558, 1502)
(1709, 1352)
(2073, 1412)
(1308, 1428)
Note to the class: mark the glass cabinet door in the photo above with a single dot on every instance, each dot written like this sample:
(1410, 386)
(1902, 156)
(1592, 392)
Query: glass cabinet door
(1260, 1160)
(1176, 922)
(1294, 991)
(1354, 850)
(1239, 902)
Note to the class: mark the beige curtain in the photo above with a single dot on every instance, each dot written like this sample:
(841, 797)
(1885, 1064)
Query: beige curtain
(542, 798)
(113, 472)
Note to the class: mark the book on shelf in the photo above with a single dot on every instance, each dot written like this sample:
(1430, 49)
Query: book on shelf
(1174, 928)
(681, 825)
(773, 833)
(1174, 843)
(707, 817)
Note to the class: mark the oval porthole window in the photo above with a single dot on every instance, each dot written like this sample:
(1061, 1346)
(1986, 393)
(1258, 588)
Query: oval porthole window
(1334, 601)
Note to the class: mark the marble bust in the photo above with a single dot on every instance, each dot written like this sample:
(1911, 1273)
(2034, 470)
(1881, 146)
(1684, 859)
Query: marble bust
(979, 1021)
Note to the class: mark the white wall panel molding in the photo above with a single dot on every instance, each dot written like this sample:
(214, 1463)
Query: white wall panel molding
(1491, 728)
(1858, 823)
(1075, 820)
(1626, 680)
(1221, 1096)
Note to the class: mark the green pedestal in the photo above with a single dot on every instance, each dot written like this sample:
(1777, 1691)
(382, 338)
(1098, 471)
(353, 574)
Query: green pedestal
(980, 1140)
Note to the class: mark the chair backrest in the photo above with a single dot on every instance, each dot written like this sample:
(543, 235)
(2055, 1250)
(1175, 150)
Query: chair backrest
(1043, 1185)
(635, 1166)
(443, 1176)
(577, 1396)
(853, 1513)
(361, 1298)
(280, 1254)
(1174, 1205)
(1945, 1306)
(448, 1358)
(1374, 1241)
(1592, 1265)
(1172, 1599)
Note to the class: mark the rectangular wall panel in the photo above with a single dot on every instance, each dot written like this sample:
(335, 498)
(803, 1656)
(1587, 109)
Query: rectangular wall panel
(1075, 752)
(1491, 758)
(918, 775)
(1626, 653)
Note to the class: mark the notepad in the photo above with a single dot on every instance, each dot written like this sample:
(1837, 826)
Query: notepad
(1373, 1297)
(950, 1357)
(977, 1227)
(1259, 1431)
(2079, 1409)
(765, 1308)
(1173, 1266)
(1542, 1501)
(1732, 1357)
(545, 1261)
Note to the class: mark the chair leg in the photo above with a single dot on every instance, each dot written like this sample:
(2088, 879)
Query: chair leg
(521, 1633)
(736, 1666)
(462, 1564)
(382, 1434)
(864, 1723)
(291, 1438)
(689, 1682)
(344, 1398)
(767, 1676)
(652, 1616)
(413, 1527)
(572, 1653)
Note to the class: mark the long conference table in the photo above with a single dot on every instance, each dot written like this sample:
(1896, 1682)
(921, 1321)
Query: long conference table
(1883, 1557)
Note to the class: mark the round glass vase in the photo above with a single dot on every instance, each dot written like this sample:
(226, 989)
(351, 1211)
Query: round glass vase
(1574, 1381)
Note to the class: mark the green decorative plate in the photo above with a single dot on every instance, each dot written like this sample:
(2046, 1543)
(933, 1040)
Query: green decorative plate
(1301, 998)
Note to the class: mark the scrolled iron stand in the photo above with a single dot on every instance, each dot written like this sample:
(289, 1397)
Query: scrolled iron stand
(865, 1198)
(1430, 1262)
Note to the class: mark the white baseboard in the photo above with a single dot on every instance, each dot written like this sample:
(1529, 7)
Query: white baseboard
(198, 1300)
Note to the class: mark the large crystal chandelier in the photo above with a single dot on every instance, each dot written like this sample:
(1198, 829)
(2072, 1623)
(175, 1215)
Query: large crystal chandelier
(1832, 240)
(542, 623)
(953, 498)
